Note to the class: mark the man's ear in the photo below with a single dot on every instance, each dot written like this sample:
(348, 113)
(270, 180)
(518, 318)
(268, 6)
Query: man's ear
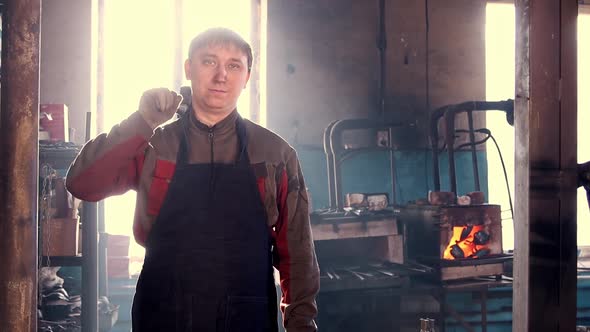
(247, 79)
(187, 69)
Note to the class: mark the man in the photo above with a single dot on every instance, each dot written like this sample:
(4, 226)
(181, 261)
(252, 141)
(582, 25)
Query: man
(220, 200)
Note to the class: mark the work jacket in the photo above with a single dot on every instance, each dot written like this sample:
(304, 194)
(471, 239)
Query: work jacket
(132, 156)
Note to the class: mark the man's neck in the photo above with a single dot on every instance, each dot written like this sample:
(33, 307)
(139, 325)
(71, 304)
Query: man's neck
(210, 119)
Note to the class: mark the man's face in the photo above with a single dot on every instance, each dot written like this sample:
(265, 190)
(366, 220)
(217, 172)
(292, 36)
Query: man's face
(218, 73)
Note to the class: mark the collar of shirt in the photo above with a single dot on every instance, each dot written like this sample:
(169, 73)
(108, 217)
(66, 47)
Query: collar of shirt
(223, 127)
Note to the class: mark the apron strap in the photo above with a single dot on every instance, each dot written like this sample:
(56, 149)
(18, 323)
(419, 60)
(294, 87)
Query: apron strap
(243, 157)
(183, 147)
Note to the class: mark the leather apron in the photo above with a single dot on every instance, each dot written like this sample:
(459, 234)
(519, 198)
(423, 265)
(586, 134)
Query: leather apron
(208, 256)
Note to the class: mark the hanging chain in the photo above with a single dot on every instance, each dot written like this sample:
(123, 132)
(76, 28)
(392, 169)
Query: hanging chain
(49, 174)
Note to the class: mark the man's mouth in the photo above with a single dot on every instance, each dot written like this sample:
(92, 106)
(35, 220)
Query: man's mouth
(217, 91)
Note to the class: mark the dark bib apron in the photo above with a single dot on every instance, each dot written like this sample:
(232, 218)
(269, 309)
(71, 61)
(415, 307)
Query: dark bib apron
(208, 255)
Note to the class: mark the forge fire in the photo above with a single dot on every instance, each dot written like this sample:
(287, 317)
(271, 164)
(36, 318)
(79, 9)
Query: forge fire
(468, 242)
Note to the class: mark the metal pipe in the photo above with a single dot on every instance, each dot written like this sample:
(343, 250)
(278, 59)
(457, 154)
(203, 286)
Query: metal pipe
(473, 150)
(19, 164)
(330, 165)
(382, 46)
(103, 285)
(90, 259)
(434, 147)
(476, 106)
(450, 141)
(102, 255)
(337, 150)
(335, 146)
(392, 167)
(100, 66)
(89, 267)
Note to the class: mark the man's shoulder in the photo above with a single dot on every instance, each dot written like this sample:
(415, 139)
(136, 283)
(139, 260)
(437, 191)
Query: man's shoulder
(267, 145)
(259, 132)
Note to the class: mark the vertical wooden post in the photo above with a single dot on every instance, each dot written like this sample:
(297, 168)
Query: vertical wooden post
(19, 164)
(545, 125)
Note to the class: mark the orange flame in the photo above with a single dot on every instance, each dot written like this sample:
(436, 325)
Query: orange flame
(467, 245)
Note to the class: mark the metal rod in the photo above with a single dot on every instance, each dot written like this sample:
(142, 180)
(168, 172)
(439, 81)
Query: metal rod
(392, 167)
(382, 46)
(435, 164)
(19, 164)
(505, 105)
(337, 149)
(335, 146)
(330, 165)
(100, 67)
(89, 258)
(102, 250)
(450, 139)
(89, 267)
(473, 150)
(337, 181)
(103, 286)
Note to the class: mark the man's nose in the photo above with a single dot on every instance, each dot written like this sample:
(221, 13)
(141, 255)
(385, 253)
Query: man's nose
(221, 74)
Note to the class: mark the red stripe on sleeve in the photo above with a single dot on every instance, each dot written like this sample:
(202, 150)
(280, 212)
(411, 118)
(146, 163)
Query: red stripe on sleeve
(163, 173)
(111, 174)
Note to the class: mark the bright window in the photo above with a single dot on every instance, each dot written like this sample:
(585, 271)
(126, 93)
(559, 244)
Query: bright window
(500, 39)
(500, 73)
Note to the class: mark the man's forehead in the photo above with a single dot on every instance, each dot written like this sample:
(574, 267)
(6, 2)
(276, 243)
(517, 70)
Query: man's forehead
(221, 50)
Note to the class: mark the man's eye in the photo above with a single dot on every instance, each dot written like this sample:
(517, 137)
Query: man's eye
(208, 62)
(234, 66)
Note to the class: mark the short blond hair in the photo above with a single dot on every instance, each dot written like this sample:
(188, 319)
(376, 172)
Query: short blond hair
(216, 36)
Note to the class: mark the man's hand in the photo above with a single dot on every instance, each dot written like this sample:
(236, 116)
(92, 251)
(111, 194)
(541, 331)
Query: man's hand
(157, 106)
